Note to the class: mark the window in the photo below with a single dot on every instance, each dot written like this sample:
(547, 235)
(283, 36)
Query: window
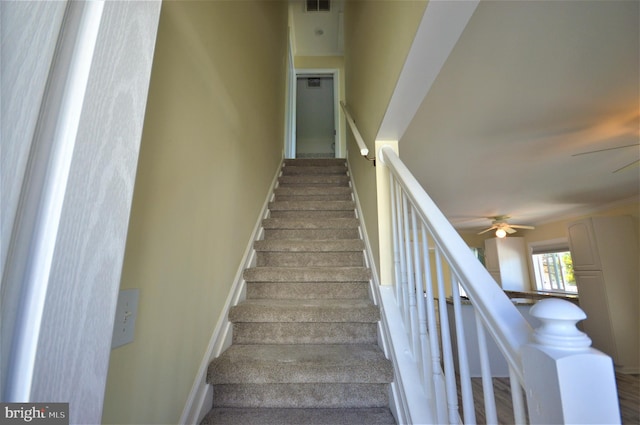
(553, 270)
(317, 5)
(479, 254)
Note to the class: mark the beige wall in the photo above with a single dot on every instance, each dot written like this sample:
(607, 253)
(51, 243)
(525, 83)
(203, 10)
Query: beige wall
(378, 35)
(315, 62)
(212, 141)
(558, 229)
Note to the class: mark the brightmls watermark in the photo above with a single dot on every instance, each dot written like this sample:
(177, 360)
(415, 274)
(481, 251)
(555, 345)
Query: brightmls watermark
(34, 413)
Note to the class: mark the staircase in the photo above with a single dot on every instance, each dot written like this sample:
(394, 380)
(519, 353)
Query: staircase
(304, 345)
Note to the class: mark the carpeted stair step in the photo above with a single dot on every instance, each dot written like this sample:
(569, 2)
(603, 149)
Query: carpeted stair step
(301, 162)
(310, 259)
(239, 416)
(356, 245)
(307, 274)
(316, 395)
(309, 223)
(313, 193)
(307, 290)
(313, 214)
(314, 180)
(312, 206)
(292, 170)
(304, 333)
(296, 191)
(316, 310)
(311, 234)
(300, 364)
(319, 197)
(304, 253)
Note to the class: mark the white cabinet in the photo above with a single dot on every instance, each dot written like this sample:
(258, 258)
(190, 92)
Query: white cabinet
(605, 261)
(506, 261)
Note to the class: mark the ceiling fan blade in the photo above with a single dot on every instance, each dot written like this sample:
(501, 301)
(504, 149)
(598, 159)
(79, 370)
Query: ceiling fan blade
(605, 149)
(520, 226)
(510, 230)
(487, 230)
(631, 164)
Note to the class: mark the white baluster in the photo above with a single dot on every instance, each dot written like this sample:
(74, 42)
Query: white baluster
(413, 314)
(490, 414)
(424, 363)
(395, 236)
(410, 305)
(517, 398)
(566, 381)
(447, 352)
(403, 256)
(437, 381)
(463, 361)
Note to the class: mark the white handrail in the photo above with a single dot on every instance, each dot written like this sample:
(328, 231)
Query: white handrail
(364, 151)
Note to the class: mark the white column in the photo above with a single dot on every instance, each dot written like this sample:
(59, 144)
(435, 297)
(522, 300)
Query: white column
(567, 381)
(384, 214)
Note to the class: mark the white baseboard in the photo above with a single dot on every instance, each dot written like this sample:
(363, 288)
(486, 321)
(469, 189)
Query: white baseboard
(200, 399)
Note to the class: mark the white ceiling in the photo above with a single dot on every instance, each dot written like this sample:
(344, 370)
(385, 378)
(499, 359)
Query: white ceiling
(317, 33)
(528, 85)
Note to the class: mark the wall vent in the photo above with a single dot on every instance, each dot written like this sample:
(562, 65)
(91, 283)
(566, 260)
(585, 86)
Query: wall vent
(318, 5)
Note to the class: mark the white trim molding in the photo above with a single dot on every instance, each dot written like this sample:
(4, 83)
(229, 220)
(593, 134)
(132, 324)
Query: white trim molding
(36, 231)
(67, 245)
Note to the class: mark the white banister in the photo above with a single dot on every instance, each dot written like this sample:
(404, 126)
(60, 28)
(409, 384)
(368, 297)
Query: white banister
(554, 375)
(364, 151)
(503, 318)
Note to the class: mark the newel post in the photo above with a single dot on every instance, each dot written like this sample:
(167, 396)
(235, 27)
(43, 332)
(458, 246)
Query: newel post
(567, 381)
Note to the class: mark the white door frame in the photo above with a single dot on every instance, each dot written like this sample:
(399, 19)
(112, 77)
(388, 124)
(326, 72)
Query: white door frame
(67, 249)
(290, 102)
(290, 148)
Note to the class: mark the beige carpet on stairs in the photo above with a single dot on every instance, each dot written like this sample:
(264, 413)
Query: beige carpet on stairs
(305, 338)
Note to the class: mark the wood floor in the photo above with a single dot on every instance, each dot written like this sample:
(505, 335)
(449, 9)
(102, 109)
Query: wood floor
(628, 394)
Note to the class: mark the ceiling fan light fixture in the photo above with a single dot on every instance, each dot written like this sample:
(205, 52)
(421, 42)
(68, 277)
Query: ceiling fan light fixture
(501, 233)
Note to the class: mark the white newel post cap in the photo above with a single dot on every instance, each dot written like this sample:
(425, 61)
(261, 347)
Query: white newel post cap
(567, 381)
(558, 328)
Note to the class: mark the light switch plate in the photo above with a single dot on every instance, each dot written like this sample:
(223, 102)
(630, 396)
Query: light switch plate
(125, 321)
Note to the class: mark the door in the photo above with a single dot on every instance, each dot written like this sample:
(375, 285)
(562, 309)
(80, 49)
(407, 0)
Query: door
(315, 117)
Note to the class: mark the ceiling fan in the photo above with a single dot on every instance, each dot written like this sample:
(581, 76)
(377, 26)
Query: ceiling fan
(502, 228)
(629, 165)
